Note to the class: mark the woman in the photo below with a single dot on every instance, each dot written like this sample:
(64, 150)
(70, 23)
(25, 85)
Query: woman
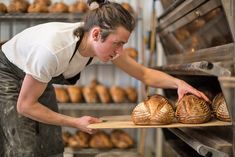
(30, 62)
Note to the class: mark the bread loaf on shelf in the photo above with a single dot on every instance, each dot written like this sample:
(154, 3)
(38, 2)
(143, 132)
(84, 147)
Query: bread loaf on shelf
(118, 94)
(58, 7)
(75, 94)
(89, 94)
(61, 95)
(154, 110)
(65, 137)
(121, 139)
(131, 94)
(103, 94)
(3, 8)
(43, 2)
(37, 8)
(192, 110)
(78, 7)
(220, 109)
(132, 52)
(100, 140)
(18, 6)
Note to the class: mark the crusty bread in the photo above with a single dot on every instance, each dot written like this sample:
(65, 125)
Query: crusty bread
(61, 95)
(75, 94)
(193, 110)
(220, 109)
(154, 110)
(59, 7)
(121, 139)
(37, 8)
(78, 7)
(3, 8)
(17, 6)
(103, 93)
(100, 140)
(131, 94)
(118, 94)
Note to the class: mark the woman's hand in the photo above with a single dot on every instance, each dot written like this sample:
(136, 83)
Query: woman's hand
(84, 121)
(184, 88)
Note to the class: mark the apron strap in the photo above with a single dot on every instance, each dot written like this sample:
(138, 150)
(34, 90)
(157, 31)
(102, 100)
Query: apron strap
(74, 79)
(77, 45)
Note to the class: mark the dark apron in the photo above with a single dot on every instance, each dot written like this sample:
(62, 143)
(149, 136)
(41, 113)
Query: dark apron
(21, 136)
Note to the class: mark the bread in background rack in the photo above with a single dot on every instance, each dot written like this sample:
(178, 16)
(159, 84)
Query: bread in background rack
(100, 140)
(75, 94)
(59, 7)
(129, 8)
(132, 52)
(66, 136)
(78, 7)
(37, 8)
(192, 110)
(121, 139)
(103, 93)
(18, 6)
(220, 109)
(43, 2)
(118, 94)
(3, 8)
(154, 110)
(89, 94)
(61, 95)
(131, 94)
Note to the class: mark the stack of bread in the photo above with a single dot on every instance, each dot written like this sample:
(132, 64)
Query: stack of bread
(95, 92)
(100, 140)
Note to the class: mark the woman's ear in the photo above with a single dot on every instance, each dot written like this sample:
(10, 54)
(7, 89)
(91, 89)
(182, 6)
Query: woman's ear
(95, 33)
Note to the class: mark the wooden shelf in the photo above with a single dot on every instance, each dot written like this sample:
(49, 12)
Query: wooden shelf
(96, 106)
(130, 124)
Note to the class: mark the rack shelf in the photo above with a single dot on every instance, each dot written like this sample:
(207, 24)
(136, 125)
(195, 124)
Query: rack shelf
(44, 16)
(96, 106)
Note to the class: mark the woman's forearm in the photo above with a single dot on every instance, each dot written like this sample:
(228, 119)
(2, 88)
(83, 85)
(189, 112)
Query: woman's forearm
(41, 113)
(159, 79)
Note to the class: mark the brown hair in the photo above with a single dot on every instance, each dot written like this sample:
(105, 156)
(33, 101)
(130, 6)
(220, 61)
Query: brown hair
(108, 16)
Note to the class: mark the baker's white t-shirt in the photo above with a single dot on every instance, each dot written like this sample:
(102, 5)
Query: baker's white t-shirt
(44, 51)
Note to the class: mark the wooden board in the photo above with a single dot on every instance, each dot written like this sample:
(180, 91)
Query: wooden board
(116, 118)
(130, 124)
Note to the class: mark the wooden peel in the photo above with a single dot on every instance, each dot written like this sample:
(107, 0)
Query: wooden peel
(116, 118)
(131, 125)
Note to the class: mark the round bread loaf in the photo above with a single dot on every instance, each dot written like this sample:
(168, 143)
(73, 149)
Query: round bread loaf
(132, 52)
(192, 110)
(3, 8)
(121, 139)
(75, 93)
(17, 6)
(59, 7)
(154, 110)
(78, 7)
(220, 109)
(37, 8)
(43, 2)
(100, 140)
(61, 95)
(103, 94)
(131, 94)
(118, 94)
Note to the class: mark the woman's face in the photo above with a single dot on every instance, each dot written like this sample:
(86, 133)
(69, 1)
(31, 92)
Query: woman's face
(112, 46)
